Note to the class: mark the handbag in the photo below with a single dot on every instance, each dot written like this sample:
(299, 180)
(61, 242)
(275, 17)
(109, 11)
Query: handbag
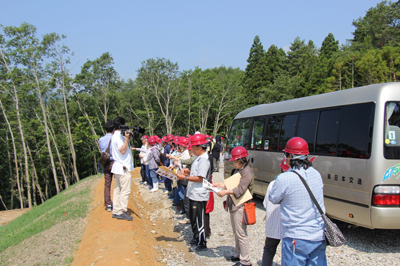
(105, 156)
(333, 235)
(249, 213)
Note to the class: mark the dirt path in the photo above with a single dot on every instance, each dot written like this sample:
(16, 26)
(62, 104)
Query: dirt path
(108, 241)
(8, 216)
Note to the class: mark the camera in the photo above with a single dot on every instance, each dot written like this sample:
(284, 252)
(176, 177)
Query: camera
(134, 133)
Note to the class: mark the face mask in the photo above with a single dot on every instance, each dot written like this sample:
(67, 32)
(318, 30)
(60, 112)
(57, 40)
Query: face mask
(283, 164)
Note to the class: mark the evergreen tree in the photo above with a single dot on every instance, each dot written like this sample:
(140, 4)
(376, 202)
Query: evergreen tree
(380, 26)
(255, 71)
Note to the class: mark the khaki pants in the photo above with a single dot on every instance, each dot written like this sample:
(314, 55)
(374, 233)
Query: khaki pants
(242, 242)
(121, 193)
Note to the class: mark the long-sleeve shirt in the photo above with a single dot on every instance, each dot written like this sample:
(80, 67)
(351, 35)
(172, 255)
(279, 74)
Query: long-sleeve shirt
(167, 150)
(103, 143)
(154, 157)
(188, 162)
(246, 182)
(273, 223)
(300, 217)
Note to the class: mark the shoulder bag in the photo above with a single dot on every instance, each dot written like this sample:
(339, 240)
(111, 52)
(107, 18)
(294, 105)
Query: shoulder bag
(105, 156)
(333, 235)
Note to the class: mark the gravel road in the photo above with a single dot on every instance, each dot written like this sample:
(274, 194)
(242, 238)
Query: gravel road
(363, 246)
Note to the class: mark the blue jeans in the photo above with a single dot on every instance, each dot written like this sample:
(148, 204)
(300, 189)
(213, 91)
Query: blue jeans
(147, 175)
(306, 252)
(153, 176)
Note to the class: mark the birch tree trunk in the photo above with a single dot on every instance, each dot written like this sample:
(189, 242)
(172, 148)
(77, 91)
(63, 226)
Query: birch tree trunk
(71, 143)
(15, 155)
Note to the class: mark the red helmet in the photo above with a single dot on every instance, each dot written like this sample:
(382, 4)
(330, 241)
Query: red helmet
(175, 140)
(145, 137)
(222, 138)
(211, 137)
(183, 141)
(206, 136)
(198, 139)
(170, 137)
(151, 140)
(164, 139)
(297, 146)
(238, 153)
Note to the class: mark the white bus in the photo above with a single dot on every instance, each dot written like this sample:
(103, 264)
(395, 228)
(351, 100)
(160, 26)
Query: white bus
(355, 135)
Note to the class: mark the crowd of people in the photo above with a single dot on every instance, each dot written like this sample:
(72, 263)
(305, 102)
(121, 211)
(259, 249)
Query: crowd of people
(291, 216)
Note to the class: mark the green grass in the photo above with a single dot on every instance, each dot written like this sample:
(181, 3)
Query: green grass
(74, 202)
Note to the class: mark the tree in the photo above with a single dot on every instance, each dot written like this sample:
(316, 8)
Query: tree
(160, 77)
(379, 27)
(253, 79)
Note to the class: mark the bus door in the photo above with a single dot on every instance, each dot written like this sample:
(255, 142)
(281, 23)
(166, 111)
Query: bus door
(256, 153)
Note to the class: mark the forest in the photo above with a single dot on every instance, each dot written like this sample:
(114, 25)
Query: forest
(52, 120)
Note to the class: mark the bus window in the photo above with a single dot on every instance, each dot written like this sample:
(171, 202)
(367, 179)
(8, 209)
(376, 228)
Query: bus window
(258, 130)
(392, 131)
(272, 133)
(307, 128)
(240, 133)
(288, 129)
(327, 132)
(354, 139)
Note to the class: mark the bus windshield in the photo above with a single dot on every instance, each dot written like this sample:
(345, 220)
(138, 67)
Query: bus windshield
(392, 130)
(240, 133)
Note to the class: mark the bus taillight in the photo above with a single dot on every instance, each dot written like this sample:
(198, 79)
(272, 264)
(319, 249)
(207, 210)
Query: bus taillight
(386, 196)
(387, 200)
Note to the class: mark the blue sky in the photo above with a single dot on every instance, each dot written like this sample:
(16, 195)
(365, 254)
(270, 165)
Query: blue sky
(191, 33)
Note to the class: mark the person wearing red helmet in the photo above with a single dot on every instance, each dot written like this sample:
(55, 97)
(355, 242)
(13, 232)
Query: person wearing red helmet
(242, 244)
(197, 194)
(303, 240)
(142, 153)
(154, 160)
(166, 151)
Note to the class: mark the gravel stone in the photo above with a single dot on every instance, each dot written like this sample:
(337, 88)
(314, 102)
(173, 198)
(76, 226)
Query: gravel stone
(363, 246)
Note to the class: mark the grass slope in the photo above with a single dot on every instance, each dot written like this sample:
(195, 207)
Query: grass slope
(71, 204)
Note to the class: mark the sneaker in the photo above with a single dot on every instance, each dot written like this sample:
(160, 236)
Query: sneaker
(153, 189)
(109, 208)
(165, 192)
(141, 182)
(124, 216)
(184, 221)
(198, 248)
(232, 258)
(114, 216)
(240, 264)
(193, 242)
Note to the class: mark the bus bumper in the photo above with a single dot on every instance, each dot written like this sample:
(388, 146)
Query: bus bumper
(385, 218)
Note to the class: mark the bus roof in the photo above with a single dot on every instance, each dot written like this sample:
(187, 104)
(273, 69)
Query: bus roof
(370, 93)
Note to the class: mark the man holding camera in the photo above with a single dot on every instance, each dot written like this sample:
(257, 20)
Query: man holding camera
(123, 165)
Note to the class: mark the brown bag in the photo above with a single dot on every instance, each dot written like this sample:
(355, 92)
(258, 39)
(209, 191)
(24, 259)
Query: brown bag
(105, 156)
(249, 213)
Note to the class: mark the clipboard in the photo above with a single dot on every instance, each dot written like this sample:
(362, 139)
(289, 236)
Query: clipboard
(231, 183)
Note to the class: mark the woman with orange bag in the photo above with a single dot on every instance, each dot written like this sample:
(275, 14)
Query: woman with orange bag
(242, 243)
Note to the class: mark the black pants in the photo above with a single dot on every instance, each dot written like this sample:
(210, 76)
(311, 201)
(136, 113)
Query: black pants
(143, 173)
(197, 213)
(269, 251)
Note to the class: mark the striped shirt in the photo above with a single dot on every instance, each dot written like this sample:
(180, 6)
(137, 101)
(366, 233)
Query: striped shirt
(299, 215)
(273, 224)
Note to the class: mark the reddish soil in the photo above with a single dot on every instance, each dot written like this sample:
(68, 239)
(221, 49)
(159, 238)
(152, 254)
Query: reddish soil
(108, 241)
